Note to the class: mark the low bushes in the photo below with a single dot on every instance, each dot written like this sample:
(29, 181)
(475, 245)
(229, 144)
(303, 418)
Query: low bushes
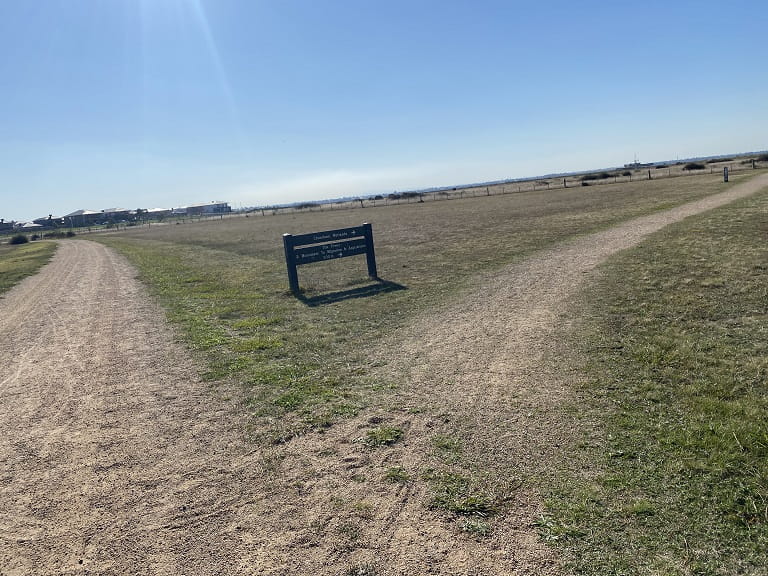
(716, 160)
(600, 176)
(59, 234)
(19, 239)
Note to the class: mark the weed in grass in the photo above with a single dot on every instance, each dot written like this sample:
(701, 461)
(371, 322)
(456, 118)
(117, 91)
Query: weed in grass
(552, 529)
(640, 508)
(397, 475)
(364, 510)
(350, 530)
(255, 344)
(447, 448)
(476, 528)
(382, 436)
(251, 324)
(455, 493)
(364, 569)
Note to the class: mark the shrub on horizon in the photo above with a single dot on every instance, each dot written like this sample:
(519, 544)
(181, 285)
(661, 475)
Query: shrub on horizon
(600, 176)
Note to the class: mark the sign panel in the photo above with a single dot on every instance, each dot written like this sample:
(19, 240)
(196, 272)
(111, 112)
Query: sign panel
(328, 245)
(327, 236)
(322, 252)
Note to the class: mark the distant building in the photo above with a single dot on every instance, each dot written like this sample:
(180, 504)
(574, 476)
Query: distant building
(83, 218)
(116, 214)
(158, 213)
(31, 226)
(203, 209)
(80, 218)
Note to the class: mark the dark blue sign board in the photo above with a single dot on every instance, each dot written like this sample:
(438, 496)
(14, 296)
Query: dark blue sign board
(328, 245)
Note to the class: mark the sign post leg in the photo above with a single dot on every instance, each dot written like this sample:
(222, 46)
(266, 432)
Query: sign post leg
(370, 255)
(290, 261)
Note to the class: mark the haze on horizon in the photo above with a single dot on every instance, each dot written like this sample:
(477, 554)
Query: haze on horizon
(139, 103)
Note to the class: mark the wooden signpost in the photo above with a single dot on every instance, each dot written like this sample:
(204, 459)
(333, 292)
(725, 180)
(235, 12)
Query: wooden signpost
(328, 245)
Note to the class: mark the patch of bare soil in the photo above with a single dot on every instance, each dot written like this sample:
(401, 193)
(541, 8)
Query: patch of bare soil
(116, 459)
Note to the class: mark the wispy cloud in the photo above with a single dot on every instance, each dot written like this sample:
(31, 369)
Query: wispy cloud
(343, 183)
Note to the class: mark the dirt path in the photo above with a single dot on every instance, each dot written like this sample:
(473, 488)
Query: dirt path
(116, 459)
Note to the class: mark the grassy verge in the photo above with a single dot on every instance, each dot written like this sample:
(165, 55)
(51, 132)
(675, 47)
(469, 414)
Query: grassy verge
(303, 366)
(677, 479)
(22, 260)
(280, 351)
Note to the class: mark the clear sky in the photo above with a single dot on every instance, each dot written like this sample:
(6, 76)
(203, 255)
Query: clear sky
(161, 103)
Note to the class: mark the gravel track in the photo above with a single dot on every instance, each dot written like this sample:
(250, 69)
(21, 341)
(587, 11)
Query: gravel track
(116, 459)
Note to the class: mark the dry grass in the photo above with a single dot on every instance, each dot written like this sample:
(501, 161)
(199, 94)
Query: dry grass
(674, 479)
(225, 282)
(19, 261)
(304, 367)
(429, 245)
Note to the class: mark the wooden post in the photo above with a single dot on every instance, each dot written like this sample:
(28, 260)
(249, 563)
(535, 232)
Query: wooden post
(370, 255)
(290, 261)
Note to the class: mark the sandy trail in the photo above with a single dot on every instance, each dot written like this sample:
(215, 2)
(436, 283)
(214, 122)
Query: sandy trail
(116, 459)
(107, 463)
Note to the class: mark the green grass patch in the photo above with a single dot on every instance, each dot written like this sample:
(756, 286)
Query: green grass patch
(382, 436)
(397, 475)
(677, 338)
(17, 261)
(281, 356)
(476, 527)
(459, 494)
(447, 448)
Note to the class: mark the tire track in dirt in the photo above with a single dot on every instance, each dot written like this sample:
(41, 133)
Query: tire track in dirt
(116, 459)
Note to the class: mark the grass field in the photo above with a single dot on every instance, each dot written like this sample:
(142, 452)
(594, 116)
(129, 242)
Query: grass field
(674, 343)
(22, 260)
(677, 344)
(225, 283)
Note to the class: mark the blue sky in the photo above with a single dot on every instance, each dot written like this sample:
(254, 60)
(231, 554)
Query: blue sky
(160, 103)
